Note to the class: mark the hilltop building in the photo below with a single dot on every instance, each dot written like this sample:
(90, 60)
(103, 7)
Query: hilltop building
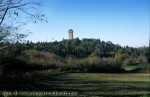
(70, 32)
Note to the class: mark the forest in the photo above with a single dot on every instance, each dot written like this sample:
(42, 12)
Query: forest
(86, 55)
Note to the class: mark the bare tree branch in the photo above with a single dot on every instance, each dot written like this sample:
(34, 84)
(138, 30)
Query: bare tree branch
(1, 1)
(16, 13)
(32, 15)
(19, 4)
(5, 12)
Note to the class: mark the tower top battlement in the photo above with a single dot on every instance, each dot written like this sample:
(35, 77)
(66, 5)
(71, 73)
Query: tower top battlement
(70, 31)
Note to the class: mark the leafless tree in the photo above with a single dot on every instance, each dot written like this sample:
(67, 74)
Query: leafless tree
(16, 13)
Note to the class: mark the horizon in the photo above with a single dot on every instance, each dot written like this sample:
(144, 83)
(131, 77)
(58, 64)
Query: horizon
(124, 22)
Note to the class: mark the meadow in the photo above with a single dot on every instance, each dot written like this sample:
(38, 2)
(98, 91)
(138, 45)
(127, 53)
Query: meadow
(91, 84)
(99, 84)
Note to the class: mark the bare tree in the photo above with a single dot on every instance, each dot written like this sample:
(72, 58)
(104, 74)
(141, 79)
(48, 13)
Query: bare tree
(16, 13)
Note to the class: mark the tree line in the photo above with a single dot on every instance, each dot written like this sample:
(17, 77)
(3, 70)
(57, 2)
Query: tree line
(91, 47)
(79, 49)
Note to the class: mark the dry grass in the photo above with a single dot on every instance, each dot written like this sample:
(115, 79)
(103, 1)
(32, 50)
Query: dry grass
(143, 74)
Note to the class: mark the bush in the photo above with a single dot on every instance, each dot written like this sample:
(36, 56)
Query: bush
(96, 64)
(92, 64)
(70, 64)
(34, 60)
(128, 61)
(30, 60)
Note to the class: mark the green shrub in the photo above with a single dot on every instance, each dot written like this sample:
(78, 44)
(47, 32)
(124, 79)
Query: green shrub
(96, 64)
(30, 60)
(93, 64)
(70, 64)
(35, 60)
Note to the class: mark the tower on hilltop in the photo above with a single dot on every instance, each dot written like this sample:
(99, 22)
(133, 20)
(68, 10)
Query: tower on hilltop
(70, 32)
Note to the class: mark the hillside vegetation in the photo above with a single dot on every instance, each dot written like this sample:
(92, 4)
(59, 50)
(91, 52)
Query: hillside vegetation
(86, 55)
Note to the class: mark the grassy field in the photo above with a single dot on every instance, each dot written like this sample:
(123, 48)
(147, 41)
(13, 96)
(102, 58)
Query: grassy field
(86, 84)
(128, 68)
(98, 84)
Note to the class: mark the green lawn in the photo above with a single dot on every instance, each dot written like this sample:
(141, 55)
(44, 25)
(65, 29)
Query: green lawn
(129, 67)
(91, 84)
(145, 67)
(99, 84)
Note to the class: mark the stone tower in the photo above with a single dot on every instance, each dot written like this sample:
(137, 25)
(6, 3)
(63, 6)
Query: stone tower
(70, 32)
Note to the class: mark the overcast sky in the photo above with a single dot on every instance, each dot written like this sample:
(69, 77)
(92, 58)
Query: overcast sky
(124, 22)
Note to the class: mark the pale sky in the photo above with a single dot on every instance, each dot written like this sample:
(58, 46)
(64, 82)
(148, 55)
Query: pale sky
(124, 22)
